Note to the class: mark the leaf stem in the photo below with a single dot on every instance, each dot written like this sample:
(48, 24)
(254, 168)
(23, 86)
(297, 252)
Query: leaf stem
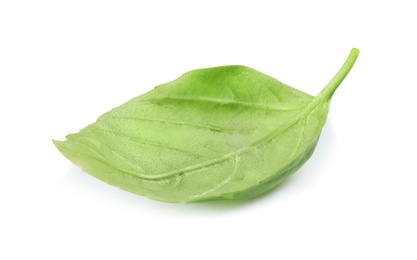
(331, 87)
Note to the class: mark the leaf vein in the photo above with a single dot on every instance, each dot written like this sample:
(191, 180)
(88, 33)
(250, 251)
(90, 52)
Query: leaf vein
(225, 102)
(263, 140)
(181, 123)
(149, 143)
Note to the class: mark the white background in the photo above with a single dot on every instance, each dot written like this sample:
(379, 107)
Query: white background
(64, 63)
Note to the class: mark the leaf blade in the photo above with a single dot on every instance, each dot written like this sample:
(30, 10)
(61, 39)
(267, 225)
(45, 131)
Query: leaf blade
(225, 132)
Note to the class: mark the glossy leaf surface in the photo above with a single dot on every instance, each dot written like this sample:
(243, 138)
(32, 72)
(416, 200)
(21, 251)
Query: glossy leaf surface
(227, 132)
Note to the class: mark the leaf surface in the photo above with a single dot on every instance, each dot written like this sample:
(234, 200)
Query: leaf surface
(227, 132)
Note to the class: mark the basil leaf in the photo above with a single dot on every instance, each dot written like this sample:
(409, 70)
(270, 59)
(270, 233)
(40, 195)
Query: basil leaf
(227, 132)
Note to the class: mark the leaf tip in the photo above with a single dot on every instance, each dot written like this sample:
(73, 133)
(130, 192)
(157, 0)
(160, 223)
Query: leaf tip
(56, 143)
(63, 148)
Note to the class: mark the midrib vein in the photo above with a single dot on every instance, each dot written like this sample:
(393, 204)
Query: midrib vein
(315, 102)
(180, 123)
(224, 102)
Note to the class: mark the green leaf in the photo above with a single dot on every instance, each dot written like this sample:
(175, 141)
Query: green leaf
(227, 132)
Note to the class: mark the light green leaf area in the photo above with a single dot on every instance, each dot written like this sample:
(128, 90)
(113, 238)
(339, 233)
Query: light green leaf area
(227, 132)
